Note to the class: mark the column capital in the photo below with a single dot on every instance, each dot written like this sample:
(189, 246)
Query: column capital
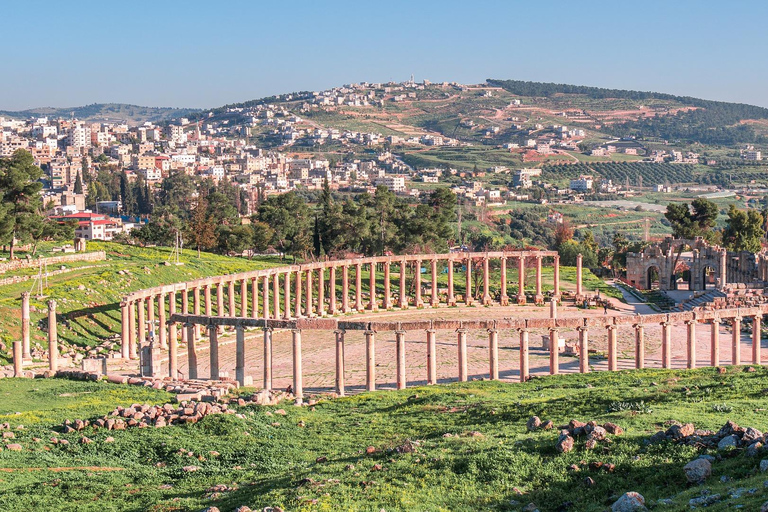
(461, 330)
(369, 332)
(692, 321)
(430, 331)
(638, 326)
(582, 328)
(523, 329)
(610, 327)
(25, 294)
(339, 332)
(492, 330)
(400, 332)
(296, 331)
(267, 329)
(555, 329)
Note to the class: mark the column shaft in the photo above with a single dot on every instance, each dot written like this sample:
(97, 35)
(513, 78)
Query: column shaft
(192, 351)
(554, 352)
(736, 341)
(297, 311)
(268, 358)
(715, 343)
(265, 296)
(579, 292)
(298, 376)
(287, 306)
(434, 300)
(462, 343)
(612, 349)
(309, 310)
(213, 338)
(468, 282)
(524, 363)
(756, 335)
(240, 354)
(321, 292)
(400, 353)
(403, 299)
(691, 344)
(539, 296)
(521, 280)
(132, 330)
(493, 353)
(339, 362)
(556, 276)
(332, 290)
(583, 350)
(486, 282)
(666, 345)
(387, 287)
(53, 336)
(25, 345)
(370, 360)
(419, 302)
(276, 295)
(639, 346)
(244, 297)
(358, 287)
(345, 288)
(504, 297)
(162, 333)
(431, 357)
(451, 295)
(231, 297)
(372, 305)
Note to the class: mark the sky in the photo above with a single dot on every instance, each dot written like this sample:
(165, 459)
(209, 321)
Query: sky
(201, 54)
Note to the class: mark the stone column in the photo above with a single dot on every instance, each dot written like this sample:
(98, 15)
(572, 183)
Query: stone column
(162, 332)
(276, 295)
(583, 349)
(434, 300)
(207, 299)
(124, 324)
(462, 342)
(25, 346)
(185, 311)
(486, 282)
(142, 322)
(173, 341)
(419, 302)
(553, 308)
(431, 357)
(332, 290)
(715, 342)
(358, 286)
(345, 288)
(297, 311)
(17, 358)
(321, 292)
(370, 360)
(639, 346)
(254, 297)
(387, 287)
(468, 294)
(53, 336)
(400, 354)
(403, 299)
(287, 296)
(691, 343)
(666, 345)
(524, 366)
(231, 298)
(309, 299)
(132, 352)
(579, 259)
(493, 353)
(736, 341)
(554, 352)
(191, 351)
(521, 280)
(539, 299)
(244, 297)
(265, 296)
(756, 335)
(268, 358)
(298, 377)
(339, 361)
(504, 297)
(372, 305)
(151, 314)
(213, 338)
(220, 299)
(196, 309)
(451, 296)
(612, 349)
(556, 277)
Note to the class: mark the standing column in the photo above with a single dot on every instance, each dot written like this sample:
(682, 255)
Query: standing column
(493, 356)
(184, 311)
(539, 298)
(691, 343)
(265, 296)
(213, 337)
(370, 360)
(666, 345)
(321, 292)
(358, 287)
(132, 330)
(345, 288)
(554, 352)
(639, 346)
(298, 378)
(254, 297)
(196, 309)
(141, 305)
(231, 298)
(287, 296)
(276, 295)
(431, 357)
(504, 299)
(579, 259)
(736, 341)
(524, 365)
(220, 299)
(583, 349)
(435, 299)
(244, 297)
(556, 276)
(173, 342)
(124, 324)
(400, 350)
(53, 336)
(191, 351)
(162, 326)
(332, 290)
(715, 342)
(372, 305)
(521, 280)
(309, 300)
(17, 358)
(387, 287)
(151, 317)
(451, 296)
(339, 361)
(297, 311)
(462, 342)
(403, 299)
(26, 351)
(486, 282)
(612, 349)
(207, 299)
(756, 336)
(417, 283)
(268, 358)
(468, 294)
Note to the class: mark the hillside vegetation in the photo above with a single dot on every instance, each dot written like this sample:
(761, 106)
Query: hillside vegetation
(132, 114)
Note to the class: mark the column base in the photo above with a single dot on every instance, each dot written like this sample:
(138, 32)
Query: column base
(504, 301)
(387, 305)
(487, 300)
(451, 302)
(539, 300)
(434, 303)
(520, 300)
(419, 305)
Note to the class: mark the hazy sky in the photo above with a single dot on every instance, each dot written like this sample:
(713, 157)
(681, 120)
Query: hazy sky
(204, 54)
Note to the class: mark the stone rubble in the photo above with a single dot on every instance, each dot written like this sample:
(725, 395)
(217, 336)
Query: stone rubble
(143, 416)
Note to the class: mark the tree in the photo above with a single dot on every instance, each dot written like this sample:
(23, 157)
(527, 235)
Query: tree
(78, 184)
(690, 221)
(201, 229)
(743, 230)
(20, 192)
(288, 215)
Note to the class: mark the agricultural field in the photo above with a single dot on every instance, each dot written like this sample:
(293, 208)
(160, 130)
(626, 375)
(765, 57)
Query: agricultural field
(457, 447)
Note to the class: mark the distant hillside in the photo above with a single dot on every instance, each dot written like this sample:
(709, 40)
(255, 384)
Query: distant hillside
(132, 114)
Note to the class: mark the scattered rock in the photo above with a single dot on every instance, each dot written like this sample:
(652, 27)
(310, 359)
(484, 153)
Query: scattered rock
(564, 444)
(589, 481)
(629, 502)
(533, 423)
(547, 425)
(190, 469)
(14, 447)
(698, 470)
(764, 465)
(321, 460)
(614, 429)
(704, 501)
(370, 450)
(728, 443)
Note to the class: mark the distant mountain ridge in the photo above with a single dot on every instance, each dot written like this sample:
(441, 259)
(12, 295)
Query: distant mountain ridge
(131, 114)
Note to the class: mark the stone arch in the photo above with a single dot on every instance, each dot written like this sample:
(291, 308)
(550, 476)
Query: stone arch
(652, 277)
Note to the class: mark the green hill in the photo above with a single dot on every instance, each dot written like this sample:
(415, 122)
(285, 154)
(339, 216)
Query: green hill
(131, 114)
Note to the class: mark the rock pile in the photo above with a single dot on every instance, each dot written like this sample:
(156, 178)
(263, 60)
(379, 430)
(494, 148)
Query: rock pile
(143, 416)
(729, 437)
(593, 432)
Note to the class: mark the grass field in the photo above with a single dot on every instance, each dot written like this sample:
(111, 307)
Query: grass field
(489, 461)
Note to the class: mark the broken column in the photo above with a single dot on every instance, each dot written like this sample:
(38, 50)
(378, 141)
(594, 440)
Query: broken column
(25, 346)
(53, 338)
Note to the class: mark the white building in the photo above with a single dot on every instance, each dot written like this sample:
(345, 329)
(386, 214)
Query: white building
(582, 184)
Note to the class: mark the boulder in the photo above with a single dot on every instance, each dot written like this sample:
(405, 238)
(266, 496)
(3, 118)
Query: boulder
(729, 442)
(614, 429)
(564, 444)
(698, 470)
(533, 423)
(629, 502)
(678, 432)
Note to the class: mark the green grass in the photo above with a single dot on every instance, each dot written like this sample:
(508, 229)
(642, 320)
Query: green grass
(270, 465)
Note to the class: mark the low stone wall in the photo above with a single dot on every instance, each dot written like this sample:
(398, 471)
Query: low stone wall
(6, 266)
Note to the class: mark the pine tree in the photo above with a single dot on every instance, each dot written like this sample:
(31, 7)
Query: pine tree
(20, 193)
(78, 184)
